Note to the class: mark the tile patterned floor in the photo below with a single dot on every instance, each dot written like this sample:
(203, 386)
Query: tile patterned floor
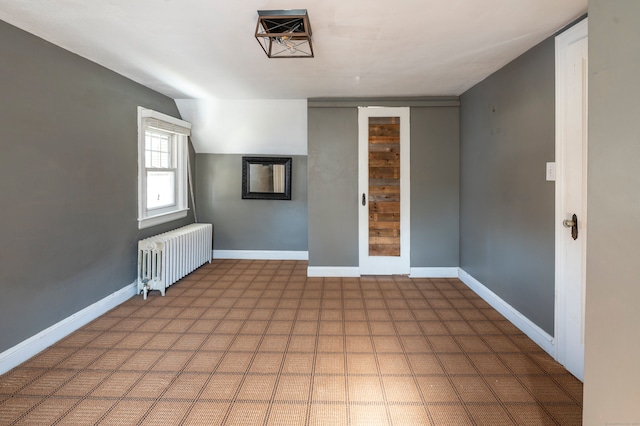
(259, 343)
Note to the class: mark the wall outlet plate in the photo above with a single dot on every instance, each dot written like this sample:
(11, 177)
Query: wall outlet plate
(551, 171)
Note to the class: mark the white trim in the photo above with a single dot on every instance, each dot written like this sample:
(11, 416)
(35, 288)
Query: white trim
(148, 217)
(441, 272)
(535, 333)
(261, 254)
(24, 350)
(161, 218)
(333, 271)
(181, 126)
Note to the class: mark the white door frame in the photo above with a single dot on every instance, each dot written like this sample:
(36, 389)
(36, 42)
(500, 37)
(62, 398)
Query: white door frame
(384, 265)
(563, 293)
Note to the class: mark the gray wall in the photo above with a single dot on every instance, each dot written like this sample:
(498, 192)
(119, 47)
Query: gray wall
(435, 186)
(333, 186)
(250, 224)
(68, 179)
(612, 371)
(333, 183)
(507, 127)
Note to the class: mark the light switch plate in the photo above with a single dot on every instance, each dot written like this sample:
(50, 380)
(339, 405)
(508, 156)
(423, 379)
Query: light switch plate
(551, 171)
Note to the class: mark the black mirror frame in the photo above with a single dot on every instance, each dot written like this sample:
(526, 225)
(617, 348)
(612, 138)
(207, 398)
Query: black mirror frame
(247, 195)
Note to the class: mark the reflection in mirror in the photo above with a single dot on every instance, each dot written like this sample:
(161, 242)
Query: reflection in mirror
(266, 178)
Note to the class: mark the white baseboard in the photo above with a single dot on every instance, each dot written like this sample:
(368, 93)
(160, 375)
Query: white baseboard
(354, 271)
(261, 254)
(535, 333)
(333, 271)
(443, 272)
(24, 350)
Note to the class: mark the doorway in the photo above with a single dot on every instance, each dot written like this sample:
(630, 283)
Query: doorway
(383, 181)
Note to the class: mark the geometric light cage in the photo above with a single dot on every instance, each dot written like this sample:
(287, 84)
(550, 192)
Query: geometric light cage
(284, 33)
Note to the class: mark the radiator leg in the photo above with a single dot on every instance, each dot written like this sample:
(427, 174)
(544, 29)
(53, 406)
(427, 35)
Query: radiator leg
(145, 288)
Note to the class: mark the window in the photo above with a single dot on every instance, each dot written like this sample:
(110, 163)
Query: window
(162, 168)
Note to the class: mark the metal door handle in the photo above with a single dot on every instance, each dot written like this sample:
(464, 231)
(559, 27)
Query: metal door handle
(364, 200)
(573, 224)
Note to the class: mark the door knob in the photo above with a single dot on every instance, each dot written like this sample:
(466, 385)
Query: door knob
(573, 224)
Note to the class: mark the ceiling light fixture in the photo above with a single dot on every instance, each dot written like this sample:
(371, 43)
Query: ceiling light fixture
(284, 33)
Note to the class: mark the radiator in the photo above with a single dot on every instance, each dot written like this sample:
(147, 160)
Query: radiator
(165, 258)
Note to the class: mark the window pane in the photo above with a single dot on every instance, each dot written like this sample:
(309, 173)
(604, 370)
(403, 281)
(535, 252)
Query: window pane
(156, 159)
(155, 143)
(157, 149)
(161, 189)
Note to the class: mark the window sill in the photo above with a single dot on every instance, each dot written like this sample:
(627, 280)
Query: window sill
(161, 218)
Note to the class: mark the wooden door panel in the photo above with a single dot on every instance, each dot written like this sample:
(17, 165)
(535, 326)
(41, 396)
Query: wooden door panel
(384, 186)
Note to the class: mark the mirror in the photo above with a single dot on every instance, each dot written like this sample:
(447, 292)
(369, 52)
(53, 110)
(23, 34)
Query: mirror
(266, 178)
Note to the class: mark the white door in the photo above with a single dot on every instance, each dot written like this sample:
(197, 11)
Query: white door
(571, 195)
(384, 190)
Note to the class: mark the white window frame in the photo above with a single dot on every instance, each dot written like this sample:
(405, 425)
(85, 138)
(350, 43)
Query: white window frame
(180, 130)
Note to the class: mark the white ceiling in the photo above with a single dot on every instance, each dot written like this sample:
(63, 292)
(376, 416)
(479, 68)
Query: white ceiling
(205, 49)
